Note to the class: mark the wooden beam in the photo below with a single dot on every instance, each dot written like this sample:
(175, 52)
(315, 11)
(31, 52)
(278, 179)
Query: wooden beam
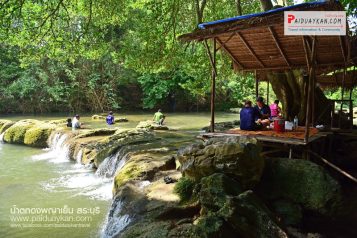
(230, 54)
(278, 45)
(320, 66)
(213, 85)
(210, 56)
(225, 42)
(250, 49)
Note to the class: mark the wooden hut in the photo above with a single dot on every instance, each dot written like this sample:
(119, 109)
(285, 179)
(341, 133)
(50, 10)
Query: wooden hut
(256, 43)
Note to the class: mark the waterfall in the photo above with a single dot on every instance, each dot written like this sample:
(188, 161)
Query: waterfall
(58, 151)
(115, 222)
(2, 137)
(79, 157)
(109, 167)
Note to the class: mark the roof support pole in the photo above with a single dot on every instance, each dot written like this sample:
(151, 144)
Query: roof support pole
(212, 57)
(311, 67)
(268, 91)
(342, 97)
(256, 85)
(353, 76)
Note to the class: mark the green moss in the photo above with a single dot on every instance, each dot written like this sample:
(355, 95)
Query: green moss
(184, 188)
(38, 135)
(5, 124)
(130, 171)
(16, 133)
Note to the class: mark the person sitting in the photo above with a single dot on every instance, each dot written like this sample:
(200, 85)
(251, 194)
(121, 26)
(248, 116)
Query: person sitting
(159, 117)
(75, 123)
(110, 118)
(248, 115)
(264, 112)
(275, 109)
(69, 122)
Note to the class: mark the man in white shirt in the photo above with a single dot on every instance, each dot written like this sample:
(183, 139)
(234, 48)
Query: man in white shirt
(75, 123)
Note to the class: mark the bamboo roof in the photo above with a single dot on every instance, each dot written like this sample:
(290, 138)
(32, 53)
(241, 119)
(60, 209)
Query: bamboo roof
(257, 41)
(336, 80)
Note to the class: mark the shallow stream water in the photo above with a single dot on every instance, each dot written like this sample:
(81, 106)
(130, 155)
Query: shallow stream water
(43, 194)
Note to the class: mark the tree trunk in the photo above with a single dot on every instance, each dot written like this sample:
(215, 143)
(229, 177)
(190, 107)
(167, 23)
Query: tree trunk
(266, 5)
(290, 89)
(239, 7)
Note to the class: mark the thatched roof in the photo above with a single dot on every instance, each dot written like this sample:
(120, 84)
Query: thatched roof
(257, 41)
(335, 80)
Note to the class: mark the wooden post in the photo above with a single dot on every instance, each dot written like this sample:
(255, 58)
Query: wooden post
(311, 65)
(342, 96)
(213, 85)
(256, 85)
(268, 92)
(212, 58)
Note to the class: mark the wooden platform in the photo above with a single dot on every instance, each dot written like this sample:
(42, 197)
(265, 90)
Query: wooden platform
(290, 138)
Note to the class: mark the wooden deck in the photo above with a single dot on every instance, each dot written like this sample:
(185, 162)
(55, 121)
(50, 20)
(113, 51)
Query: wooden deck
(289, 138)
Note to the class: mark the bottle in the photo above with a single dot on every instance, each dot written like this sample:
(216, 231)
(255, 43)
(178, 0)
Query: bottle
(296, 122)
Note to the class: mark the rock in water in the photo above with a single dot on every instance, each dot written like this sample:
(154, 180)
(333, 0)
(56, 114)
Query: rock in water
(38, 135)
(236, 157)
(98, 117)
(223, 126)
(300, 181)
(150, 125)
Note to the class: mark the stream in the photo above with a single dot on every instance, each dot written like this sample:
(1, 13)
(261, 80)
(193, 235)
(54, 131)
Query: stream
(44, 194)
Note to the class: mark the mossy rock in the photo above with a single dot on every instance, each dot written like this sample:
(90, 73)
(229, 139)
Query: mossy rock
(98, 117)
(151, 125)
(214, 190)
(249, 217)
(290, 213)
(302, 182)
(239, 158)
(58, 122)
(212, 226)
(5, 124)
(97, 132)
(38, 135)
(16, 133)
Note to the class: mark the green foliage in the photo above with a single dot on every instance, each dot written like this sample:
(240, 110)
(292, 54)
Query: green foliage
(84, 55)
(184, 189)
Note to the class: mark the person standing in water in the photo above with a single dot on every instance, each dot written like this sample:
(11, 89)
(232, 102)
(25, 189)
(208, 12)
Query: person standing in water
(76, 123)
(110, 118)
(159, 117)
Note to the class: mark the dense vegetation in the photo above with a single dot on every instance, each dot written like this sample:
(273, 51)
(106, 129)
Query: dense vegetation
(99, 55)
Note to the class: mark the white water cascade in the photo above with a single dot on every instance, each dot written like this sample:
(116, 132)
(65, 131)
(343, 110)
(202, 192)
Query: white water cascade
(2, 137)
(58, 151)
(115, 222)
(112, 164)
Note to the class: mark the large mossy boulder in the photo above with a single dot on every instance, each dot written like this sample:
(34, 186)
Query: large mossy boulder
(5, 124)
(215, 188)
(236, 157)
(151, 125)
(249, 217)
(38, 135)
(300, 181)
(16, 133)
(29, 132)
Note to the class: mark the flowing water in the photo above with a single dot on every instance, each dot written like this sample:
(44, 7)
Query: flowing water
(44, 194)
